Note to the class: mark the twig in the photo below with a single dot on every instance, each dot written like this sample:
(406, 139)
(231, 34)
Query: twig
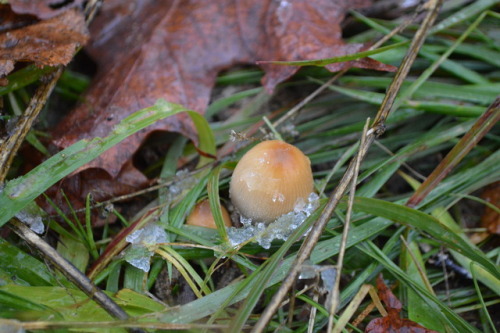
(335, 294)
(68, 270)
(9, 147)
(377, 129)
(386, 107)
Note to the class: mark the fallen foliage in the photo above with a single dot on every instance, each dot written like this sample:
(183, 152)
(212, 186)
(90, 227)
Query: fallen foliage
(148, 50)
(392, 323)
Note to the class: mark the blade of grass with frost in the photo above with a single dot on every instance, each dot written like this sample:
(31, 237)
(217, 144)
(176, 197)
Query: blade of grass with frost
(18, 192)
(235, 293)
(466, 13)
(426, 223)
(189, 233)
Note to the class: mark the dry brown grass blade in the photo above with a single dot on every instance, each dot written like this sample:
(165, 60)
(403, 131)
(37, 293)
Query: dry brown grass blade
(377, 129)
(480, 128)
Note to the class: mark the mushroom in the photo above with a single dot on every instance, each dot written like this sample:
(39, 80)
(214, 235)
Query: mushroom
(269, 180)
(202, 216)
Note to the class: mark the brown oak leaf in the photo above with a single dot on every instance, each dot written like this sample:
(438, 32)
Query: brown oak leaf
(174, 50)
(43, 9)
(50, 42)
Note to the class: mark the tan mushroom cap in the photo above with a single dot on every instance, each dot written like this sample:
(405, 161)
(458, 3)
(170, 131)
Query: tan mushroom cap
(202, 216)
(269, 180)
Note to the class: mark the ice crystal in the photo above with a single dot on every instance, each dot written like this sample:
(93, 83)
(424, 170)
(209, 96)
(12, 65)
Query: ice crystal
(281, 228)
(143, 240)
(32, 218)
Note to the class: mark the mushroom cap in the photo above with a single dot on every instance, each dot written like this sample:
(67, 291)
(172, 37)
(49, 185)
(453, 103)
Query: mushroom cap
(202, 216)
(269, 180)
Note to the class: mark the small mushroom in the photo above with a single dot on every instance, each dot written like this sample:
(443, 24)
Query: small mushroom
(269, 180)
(202, 216)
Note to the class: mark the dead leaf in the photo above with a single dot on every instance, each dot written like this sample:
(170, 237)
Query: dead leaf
(174, 50)
(43, 9)
(392, 323)
(490, 218)
(45, 43)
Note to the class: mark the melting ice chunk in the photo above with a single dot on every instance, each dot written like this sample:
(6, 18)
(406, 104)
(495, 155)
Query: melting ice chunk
(282, 228)
(328, 276)
(139, 254)
(32, 218)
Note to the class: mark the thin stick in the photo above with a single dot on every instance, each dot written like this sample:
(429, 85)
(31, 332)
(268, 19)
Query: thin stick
(335, 296)
(433, 7)
(9, 147)
(376, 130)
(67, 269)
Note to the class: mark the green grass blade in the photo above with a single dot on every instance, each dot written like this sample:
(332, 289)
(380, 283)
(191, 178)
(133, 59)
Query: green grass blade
(426, 223)
(26, 268)
(466, 13)
(457, 323)
(327, 61)
(214, 199)
(18, 192)
(234, 292)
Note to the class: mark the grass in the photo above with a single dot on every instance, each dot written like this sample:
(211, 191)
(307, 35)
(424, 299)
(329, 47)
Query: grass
(452, 82)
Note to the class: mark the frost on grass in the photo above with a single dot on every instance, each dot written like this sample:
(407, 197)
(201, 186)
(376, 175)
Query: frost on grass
(183, 180)
(282, 228)
(327, 273)
(142, 243)
(32, 217)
